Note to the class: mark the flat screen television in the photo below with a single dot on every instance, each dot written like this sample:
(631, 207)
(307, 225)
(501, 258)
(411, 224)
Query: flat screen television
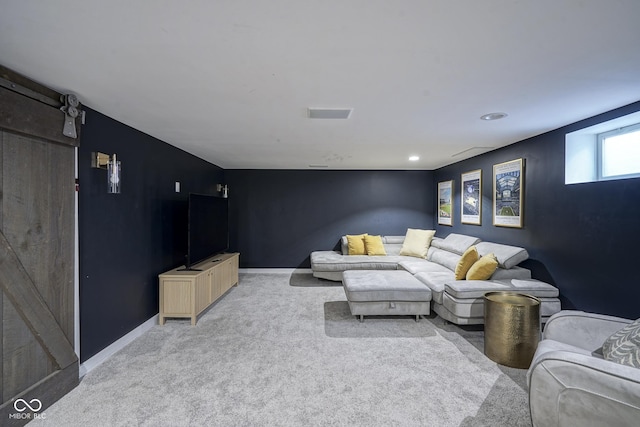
(208, 228)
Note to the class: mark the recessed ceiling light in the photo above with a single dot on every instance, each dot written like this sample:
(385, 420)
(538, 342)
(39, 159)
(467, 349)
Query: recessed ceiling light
(493, 116)
(414, 158)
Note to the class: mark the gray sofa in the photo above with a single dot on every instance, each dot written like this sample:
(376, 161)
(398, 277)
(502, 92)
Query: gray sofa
(572, 384)
(458, 301)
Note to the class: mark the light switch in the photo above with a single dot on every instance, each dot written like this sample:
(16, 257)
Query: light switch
(177, 186)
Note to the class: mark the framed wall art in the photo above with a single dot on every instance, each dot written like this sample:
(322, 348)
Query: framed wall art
(471, 197)
(508, 187)
(445, 210)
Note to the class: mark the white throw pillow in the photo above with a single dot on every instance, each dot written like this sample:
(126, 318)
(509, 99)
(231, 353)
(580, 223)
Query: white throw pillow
(416, 242)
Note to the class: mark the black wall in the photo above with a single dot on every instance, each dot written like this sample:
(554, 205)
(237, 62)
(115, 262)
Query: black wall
(278, 217)
(583, 238)
(127, 239)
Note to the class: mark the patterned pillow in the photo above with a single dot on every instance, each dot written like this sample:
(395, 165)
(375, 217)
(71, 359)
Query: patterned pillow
(624, 346)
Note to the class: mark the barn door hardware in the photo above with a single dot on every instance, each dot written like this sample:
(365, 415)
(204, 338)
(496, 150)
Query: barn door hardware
(71, 111)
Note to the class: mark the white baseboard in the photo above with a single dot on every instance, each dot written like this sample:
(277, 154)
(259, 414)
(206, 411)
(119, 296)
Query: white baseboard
(116, 346)
(276, 270)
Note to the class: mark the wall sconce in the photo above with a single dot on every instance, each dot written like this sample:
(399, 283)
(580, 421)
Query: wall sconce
(223, 189)
(113, 167)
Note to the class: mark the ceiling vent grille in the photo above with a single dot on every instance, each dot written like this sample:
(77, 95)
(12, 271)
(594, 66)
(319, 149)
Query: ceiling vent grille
(329, 113)
(468, 151)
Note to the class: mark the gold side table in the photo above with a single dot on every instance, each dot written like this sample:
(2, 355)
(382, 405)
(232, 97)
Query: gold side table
(511, 328)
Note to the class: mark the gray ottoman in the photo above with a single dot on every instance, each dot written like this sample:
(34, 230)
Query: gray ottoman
(385, 292)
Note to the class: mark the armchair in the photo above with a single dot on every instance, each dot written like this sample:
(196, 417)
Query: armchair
(571, 384)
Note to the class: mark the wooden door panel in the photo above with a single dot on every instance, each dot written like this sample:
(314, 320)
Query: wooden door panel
(40, 204)
(36, 271)
(36, 246)
(21, 349)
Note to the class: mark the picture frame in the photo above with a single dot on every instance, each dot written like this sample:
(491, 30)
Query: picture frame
(508, 192)
(471, 197)
(445, 203)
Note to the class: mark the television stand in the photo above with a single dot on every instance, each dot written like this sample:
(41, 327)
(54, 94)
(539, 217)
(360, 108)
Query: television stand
(187, 293)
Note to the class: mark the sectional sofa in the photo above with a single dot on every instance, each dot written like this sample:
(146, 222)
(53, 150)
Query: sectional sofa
(458, 301)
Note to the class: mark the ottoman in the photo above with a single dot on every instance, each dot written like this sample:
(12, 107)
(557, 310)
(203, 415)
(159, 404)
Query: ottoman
(385, 292)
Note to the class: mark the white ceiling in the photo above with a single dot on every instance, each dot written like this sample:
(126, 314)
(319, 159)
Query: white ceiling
(231, 81)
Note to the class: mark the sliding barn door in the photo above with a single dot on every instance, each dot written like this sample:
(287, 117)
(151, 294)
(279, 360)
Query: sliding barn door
(37, 214)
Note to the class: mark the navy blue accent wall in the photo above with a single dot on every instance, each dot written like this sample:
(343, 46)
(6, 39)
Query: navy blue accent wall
(127, 239)
(279, 216)
(583, 238)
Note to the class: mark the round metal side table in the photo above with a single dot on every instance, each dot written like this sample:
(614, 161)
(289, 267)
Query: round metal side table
(511, 328)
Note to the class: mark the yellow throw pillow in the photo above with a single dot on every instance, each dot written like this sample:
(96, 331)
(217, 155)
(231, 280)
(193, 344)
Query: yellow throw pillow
(417, 242)
(483, 268)
(373, 245)
(468, 258)
(356, 244)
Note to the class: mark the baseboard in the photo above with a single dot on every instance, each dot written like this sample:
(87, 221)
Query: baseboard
(276, 270)
(116, 346)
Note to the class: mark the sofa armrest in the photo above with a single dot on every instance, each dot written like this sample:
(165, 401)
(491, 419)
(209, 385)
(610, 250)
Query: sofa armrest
(581, 329)
(572, 389)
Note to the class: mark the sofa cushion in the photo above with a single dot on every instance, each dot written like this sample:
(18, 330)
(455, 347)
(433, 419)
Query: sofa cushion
(392, 244)
(383, 286)
(394, 240)
(436, 281)
(444, 258)
(436, 242)
(512, 273)
(458, 243)
(335, 261)
(533, 287)
(373, 245)
(416, 242)
(473, 308)
(483, 268)
(477, 288)
(468, 258)
(507, 256)
(355, 244)
(418, 265)
(465, 289)
(624, 346)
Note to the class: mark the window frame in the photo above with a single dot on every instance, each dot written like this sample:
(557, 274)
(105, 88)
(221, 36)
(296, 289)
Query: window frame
(600, 138)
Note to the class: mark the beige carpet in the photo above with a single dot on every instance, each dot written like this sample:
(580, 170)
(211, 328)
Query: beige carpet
(283, 350)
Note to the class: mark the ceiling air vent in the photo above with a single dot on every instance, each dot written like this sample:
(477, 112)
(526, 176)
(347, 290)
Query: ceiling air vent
(329, 113)
(474, 150)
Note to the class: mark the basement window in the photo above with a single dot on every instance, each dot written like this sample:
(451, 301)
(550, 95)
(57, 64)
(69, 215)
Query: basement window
(607, 151)
(619, 153)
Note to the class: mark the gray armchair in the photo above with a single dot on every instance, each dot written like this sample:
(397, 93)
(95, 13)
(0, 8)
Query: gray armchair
(571, 384)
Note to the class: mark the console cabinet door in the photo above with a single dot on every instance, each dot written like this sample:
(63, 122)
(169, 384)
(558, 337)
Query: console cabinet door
(215, 287)
(203, 295)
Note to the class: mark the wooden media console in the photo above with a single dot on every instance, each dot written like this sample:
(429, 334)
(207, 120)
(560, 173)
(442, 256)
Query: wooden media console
(186, 293)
